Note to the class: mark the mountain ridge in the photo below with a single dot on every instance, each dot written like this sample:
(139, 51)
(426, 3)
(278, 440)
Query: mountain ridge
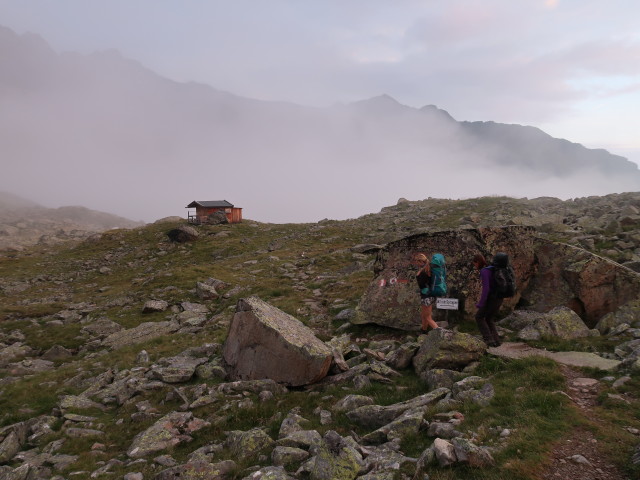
(24, 223)
(103, 116)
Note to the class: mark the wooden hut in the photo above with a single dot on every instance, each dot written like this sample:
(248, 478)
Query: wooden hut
(206, 208)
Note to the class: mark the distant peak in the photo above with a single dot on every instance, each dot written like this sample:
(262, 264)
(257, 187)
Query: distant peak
(27, 40)
(380, 104)
(383, 99)
(433, 110)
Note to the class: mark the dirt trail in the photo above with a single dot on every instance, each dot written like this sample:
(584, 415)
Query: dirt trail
(577, 456)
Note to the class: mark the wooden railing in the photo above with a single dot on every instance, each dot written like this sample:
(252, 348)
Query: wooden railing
(193, 218)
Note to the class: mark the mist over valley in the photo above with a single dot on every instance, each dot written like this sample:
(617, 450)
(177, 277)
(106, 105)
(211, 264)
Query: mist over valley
(104, 132)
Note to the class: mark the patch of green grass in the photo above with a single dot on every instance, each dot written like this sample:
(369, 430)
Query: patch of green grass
(35, 310)
(605, 245)
(32, 396)
(618, 410)
(525, 402)
(42, 337)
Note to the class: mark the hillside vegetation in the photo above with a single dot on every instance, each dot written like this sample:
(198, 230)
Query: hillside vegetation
(55, 299)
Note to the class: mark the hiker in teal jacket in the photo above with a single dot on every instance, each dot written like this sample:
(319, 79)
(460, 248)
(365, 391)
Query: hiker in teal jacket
(423, 277)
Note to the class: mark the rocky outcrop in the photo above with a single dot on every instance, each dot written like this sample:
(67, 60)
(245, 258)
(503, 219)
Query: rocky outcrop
(548, 275)
(392, 299)
(265, 342)
(590, 285)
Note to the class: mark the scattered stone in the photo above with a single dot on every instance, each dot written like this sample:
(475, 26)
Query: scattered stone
(57, 353)
(198, 470)
(283, 456)
(171, 430)
(249, 443)
(579, 459)
(142, 358)
(351, 402)
(470, 454)
(445, 452)
(177, 369)
(153, 306)
(83, 432)
(9, 447)
(142, 333)
(337, 458)
(183, 234)
(377, 416)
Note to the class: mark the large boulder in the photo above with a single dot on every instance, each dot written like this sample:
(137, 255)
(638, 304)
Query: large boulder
(590, 285)
(265, 342)
(447, 349)
(392, 299)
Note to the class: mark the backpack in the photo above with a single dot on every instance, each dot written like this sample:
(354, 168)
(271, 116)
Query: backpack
(438, 287)
(504, 278)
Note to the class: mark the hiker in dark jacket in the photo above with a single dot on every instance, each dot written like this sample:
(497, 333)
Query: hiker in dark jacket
(423, 277)
(489, 304)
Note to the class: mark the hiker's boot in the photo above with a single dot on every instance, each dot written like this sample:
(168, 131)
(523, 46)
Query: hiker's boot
(487, 337)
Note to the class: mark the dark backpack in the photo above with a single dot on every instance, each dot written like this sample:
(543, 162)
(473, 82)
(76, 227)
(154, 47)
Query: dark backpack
(504, 278)
(438, 287)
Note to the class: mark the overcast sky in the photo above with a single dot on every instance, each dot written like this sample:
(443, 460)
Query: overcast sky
(570, 67)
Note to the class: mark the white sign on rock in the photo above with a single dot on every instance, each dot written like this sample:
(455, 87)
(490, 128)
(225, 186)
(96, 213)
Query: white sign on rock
(447, 303)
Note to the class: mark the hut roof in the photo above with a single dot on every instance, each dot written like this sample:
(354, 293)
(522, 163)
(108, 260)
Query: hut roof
(210, 204)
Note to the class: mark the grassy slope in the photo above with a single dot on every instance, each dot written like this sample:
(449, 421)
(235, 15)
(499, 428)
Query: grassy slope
(305, 269)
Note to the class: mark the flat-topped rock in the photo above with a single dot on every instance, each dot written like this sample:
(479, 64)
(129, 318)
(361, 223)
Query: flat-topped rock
(573, 359)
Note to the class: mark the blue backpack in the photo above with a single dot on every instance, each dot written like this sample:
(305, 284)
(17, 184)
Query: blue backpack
(438, 287)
